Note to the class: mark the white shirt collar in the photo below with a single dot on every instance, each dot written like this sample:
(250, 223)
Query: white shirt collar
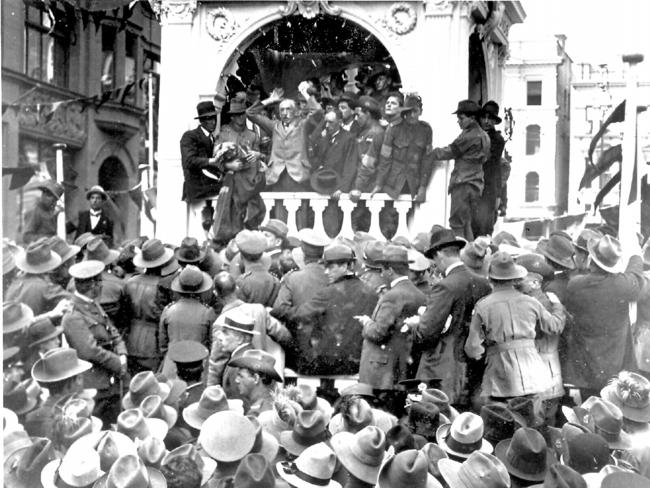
(397, 280)
(452, 267)
(205, 131)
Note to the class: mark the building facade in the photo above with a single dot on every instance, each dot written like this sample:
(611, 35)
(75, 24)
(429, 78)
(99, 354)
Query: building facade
(538, 91)
(76, 77)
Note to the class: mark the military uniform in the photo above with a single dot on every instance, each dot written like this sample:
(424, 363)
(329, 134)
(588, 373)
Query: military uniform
(247, 138)
(88, 329)
(372, 278)
(38, 292)
(112, 299)
(257, 285)
(298, 287)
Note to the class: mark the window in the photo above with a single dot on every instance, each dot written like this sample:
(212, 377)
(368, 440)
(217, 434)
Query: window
(109, 39)
(533, 133)
(532, 187)
(534, 93)
(129, 66)
(46, 48)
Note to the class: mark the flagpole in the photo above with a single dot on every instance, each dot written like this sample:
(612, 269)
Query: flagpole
(60, 218)
(630, 213)
(147, 227)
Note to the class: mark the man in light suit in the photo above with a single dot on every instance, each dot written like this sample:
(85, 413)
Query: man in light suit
(95, 220)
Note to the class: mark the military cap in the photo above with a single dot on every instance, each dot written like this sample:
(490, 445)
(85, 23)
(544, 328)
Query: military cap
(338, 253)
(251, 242)
(86, 269)
(276, 227)
(417, 261)
(187, 352)
(369, 104)
(313, 238)
(393, 254)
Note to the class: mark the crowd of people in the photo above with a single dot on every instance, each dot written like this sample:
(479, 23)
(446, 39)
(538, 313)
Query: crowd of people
(306, 361)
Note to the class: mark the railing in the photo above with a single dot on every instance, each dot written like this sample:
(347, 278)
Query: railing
(317, 202)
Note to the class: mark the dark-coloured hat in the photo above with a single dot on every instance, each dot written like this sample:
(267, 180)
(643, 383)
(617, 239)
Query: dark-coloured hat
(359, 389)
(251, 242)
(440, 399)
(276, 227)
(491, 109)
(191, 280)
(418, 385)
(442, 238)
(325, 181)
(467, 107)
(424, 418)
(153, 254)
(187, 352)
(86, 269)
(59, 364)
(16, 397)
(393, 254)
(42, 330)
(525, 411)
(372, 252)
(558, 249)
(189, 251)
(586, 453)
(607, 254)
(408, 468)
(38, 257)
(265, 443)
(503, 267)
(370, 104)
(258, 361)
(400, 438)
(15, 316)
(237, 106)
(536, 263)
(188, 451)
(50, 186)
(499, 424)
(561, 476)
(603, 418)
(96, 190)
(206, 109)
(308, 430)
(584, 237)
(62, 248)
(97, 250)
(525, 455)
(8, 354)
(338, 253)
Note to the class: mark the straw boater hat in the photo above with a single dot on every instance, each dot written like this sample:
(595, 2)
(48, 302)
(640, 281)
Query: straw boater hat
(188, 451)
(213, 399)
(227, 436)
(59, 364)
(362, 453)
(408, 468)
(191, 280)
(237, 320)
(607, 254)
(129, 471)
(38, 258)
(153, 254)
(96, 190)
(463, 436)
(313, 468)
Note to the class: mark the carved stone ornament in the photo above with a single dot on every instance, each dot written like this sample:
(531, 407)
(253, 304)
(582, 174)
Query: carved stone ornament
(64, 120)
(221, 24)
(401, 18)
(309, 8)
(176, 10)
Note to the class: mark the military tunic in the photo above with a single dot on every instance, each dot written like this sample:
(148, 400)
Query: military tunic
(257, 285)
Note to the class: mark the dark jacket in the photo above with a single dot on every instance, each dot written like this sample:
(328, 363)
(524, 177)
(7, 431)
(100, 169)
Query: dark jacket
(369, 142)
(104, 227)
(196, 149)
(328, 337)
(144, 309)
(257, 285)
(385, 347)
(41, 222)
(600, 344)
(38, 292)
(452, 298)
(298, 287)
(338, 153)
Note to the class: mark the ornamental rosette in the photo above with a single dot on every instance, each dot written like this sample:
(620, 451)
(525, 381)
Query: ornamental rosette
(401, 18)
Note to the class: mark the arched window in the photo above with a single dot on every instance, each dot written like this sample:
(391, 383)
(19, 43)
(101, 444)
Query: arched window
(532, 187)
(533, 132)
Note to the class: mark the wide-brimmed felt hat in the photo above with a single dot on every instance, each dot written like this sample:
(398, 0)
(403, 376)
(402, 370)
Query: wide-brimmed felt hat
(584, 237)
(558, 249)
(59, 364)
(441, 400)
(325, 181)
(372, 252)
(630, 392)
(189, 251)
(96, 190)
(607, 254)
(308, 399)
(153, 254)
(53, 187)
(586, 453)
(109, 444)
(603, 418)
(309, 429)
(442, 238)
(265, 443)
(227, 436)
(15, 316)
(130, 472)
(434, 453)
(421, 413)
(213, 399)
(393, 254)
(536, 263)
(133, 424)
(84, 239)
(503, 267)
(23, 469)
(254, 471)
(399, 438)
(206, 109)
(258, 361)
(38, 258)
(463, 436)
(338, 253)
(480, 470)
(498, 421)
(491, 109)
(16, 398)
(526, 411)
(468, 107)
(151, 450)
(77, 469)
(86, 270)
(561, 476)
(362, 453)
(408, 468)
(474, 253)
(628, 480)
(141, 386)
(153, 407)
(42, 330)
(97, 250)
(357, 415)
(62, 248)
(188, 451)
(313, 468)
(595, 480)
(525, 455)
(80, 408)
(191, 280)
(9, 354)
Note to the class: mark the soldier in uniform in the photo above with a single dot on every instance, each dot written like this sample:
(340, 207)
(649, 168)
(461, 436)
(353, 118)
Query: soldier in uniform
(276, 233)
(256, 285)
(371, 256)
(328, 337)
(88, 329)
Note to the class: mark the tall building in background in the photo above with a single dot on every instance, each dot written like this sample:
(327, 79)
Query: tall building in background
(77, 77)
(537, 90)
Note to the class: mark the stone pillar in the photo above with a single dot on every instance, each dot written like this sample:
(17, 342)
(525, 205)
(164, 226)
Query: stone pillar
(176, 111)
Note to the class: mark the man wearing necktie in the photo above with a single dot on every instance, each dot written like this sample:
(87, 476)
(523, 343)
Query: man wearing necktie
(95, 219)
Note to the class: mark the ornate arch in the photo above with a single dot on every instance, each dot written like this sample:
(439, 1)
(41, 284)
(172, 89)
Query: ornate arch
(117, 150)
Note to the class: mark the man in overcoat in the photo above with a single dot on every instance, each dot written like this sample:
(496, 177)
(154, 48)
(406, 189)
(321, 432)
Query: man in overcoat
(444, 325)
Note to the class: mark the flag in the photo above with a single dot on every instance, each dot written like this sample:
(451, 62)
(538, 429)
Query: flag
(20, 175)
(618, 115)
(605, 161)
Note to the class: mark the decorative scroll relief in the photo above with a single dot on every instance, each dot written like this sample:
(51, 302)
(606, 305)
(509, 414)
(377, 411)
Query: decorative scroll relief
(66, 120)
(309, 8)
(221, 24)
(176, 11)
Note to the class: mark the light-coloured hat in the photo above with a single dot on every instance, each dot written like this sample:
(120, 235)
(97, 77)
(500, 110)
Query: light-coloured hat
(408, 468)
(153, 254)
(227, 436)
(308, 430)
(15, 316)
(77, 469)
(97, 250)
(213, 399)
(312, 469)
(133, 424)
(153, 407)
(463, 436)
(362, 453)
(96, 190)
(191, 280)
(86, 269)
(38, 258)
(607, 254)
(631, 393)
(130, 472)
(110, 446)
(62, 248)
(417, 261)
(479, 470)
(237, 320)
(59, 364)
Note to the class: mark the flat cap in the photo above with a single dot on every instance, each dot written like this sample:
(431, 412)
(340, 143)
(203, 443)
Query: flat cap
(251, 242)
(86, 269)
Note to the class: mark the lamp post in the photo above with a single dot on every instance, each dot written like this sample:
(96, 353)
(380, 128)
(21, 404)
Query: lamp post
(60, 219)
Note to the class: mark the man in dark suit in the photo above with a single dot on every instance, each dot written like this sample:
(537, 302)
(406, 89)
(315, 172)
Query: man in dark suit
(386, 345)
(444, 325)
(197, 155)
(95, 220)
